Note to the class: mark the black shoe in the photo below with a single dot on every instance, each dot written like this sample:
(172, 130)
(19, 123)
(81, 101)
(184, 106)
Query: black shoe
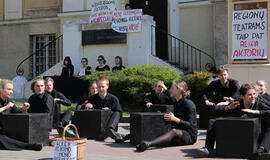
(143, 146)
(113, 134)
(35, 147)
(125, 137)
(260, 151)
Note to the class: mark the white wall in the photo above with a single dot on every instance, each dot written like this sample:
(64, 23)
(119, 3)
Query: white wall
(72, 44)
(109, 51)
(13, 9)
(73, 5)
(139, 44)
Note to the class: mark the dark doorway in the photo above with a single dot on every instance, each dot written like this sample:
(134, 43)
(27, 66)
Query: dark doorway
(158, 9)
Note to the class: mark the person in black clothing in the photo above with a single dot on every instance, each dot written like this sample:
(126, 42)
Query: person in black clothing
(158, 96)
(6, 107)
(105, 100)
(68, 68)
(221, 91)
(262, 86)
(41, 101)
(59, 120)
(184, 121)
(102, 64)
(93, 89)
(248, 107)
(118, 64)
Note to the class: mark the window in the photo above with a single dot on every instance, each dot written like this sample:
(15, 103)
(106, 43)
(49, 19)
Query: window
(43, 49)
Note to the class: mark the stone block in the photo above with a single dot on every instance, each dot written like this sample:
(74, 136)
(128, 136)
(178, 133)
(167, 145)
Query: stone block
(30, 128)
(236, 137)
(162, 108)
(146, 126)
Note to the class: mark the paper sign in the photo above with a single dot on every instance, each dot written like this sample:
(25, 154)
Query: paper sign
(249, 34)
(125, 21)
(65, 150)
(102, 11)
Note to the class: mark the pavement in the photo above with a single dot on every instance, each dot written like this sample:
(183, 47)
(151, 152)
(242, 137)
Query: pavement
(108, 150)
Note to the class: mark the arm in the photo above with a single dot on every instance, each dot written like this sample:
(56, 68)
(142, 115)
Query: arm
(116, 107)
(9, 105)
(235, 90)
(63, 100)
(206, 94)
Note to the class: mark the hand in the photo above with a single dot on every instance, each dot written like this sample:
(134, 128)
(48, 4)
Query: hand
(89, 106)
(209, 103)
(56, 99)
(10, 105)
(148, 105)
(25, 107)
(251, 111)
(170, 117)
(105, 108)
(228, 99)
(163, 86)
(223, 103)
(233, 105)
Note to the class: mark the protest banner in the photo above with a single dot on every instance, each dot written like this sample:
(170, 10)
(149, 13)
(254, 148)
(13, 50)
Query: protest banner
(125, 21)
(102, 11)
(65, 150)
(249, 34)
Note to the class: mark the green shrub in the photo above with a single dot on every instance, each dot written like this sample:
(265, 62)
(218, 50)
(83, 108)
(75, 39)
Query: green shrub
(132, 84)
(196, 84)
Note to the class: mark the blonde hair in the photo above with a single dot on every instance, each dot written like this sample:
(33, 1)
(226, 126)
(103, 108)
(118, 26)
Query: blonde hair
(4, 82)
(183, 87)
(48, 79)
(90, 85)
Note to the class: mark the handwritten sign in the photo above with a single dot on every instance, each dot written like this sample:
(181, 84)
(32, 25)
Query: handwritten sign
(127, 21)
(102, 11)
(249, 34)
(65, 150)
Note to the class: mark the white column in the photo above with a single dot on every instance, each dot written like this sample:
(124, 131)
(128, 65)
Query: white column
(139, 44)
(174, 18)
(72, 45)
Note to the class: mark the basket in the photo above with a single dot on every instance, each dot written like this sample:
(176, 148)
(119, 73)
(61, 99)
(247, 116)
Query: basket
(81, 142)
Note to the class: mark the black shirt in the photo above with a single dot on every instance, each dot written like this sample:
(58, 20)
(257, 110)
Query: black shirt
(110, 101)
(215, 92)
(105, 68)
(117, 68)
(43, 103)
(63, 100)
(185, 109)
(67, 71)
(13, 109)
(153, 98)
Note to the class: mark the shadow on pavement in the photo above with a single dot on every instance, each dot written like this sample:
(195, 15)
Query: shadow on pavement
(120, 145)
(45, 159)
(191, 153)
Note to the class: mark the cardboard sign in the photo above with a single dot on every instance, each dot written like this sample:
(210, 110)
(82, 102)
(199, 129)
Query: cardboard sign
(125, 21)
(102, 11)
(65, 150)
(249, 34)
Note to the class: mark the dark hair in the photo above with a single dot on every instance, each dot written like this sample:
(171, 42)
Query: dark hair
(120, 60)
(245, 87)
(69, 61)
(38, 78)
(127, 5)
(102, 57)
(221, 69)
(86, 60)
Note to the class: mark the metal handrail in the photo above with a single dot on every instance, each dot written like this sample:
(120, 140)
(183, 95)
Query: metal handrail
(183, 53)
(20, 71)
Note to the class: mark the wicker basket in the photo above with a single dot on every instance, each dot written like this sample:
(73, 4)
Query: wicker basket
(81, 142)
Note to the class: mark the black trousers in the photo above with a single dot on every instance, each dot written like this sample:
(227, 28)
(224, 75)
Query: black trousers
(7, 143)
(264, 139)
(64, 118)
(211, 134)
(114, 120)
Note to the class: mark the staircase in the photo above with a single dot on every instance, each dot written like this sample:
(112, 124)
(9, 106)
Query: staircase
(179, 53)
